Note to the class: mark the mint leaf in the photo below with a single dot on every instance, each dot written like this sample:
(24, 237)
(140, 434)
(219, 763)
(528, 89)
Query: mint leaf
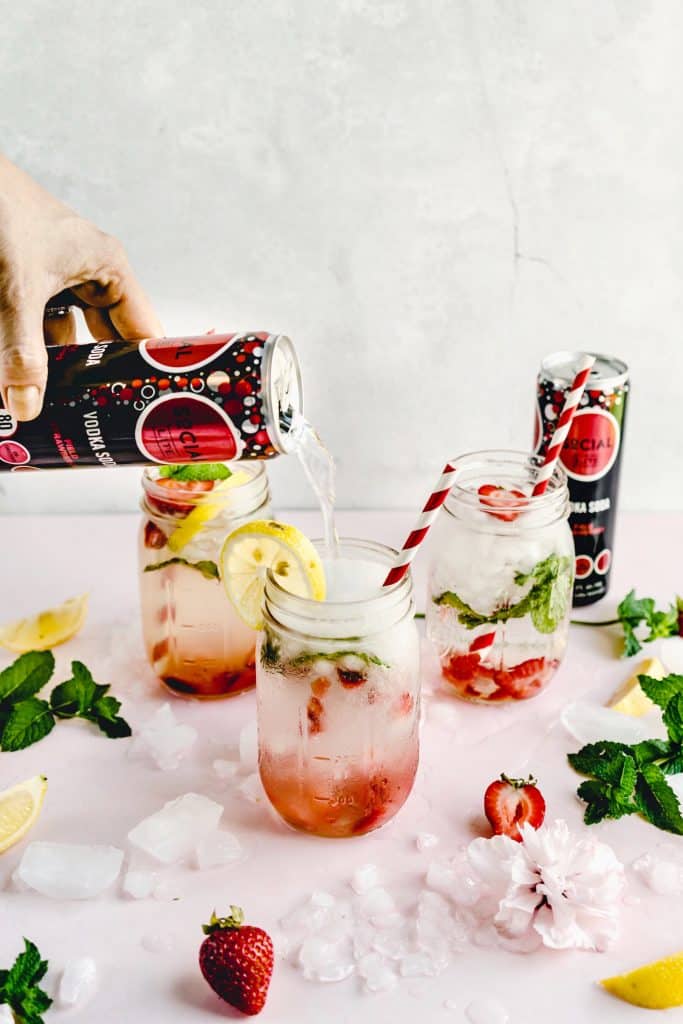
(75, 696)
(201, 471)
(29, 721)
(105, 714)
(651, 750)
(604, 801)
(207, 568)
(26, 676)
(631, 642)
(599, 759)
(308, 657)
(661, 691)
(466, 615)
(19, 986)
(673, 718)
(657, 801)
(635, 610)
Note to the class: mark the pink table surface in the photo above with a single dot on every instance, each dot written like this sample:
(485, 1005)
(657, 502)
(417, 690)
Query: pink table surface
(96, 794)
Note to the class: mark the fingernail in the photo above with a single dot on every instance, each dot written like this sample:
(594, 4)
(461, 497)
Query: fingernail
(24, 401)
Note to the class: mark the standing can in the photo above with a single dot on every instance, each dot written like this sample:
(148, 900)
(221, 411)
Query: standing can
(212, 398)
(591, 456)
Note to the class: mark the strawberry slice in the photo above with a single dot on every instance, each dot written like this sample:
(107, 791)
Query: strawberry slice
(181, 491)
(506, 501)
(526, 679)
(510, 803)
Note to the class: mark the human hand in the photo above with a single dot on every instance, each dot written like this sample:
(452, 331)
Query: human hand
(45, 248)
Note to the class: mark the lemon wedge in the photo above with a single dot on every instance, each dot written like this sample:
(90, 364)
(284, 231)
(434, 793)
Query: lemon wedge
(629, 699)
(19, 808)
(254, 548)
(204, 512)
(46, 629)
(655, 986)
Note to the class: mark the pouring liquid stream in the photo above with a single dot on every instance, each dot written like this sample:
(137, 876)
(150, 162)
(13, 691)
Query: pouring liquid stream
(318, 465)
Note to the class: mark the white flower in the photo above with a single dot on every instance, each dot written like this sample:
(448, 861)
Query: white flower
(552, 888)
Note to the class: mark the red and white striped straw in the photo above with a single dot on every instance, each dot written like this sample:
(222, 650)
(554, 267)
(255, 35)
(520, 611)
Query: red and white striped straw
(564, 423)
(421, 528)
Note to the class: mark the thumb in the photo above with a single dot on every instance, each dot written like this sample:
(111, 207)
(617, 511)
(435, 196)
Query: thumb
(23, 359)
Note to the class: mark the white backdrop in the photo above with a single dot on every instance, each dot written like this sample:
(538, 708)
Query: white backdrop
(427, 195)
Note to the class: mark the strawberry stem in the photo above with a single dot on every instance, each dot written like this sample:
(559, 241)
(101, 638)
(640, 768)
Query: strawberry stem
(518, 783)
(218, 924)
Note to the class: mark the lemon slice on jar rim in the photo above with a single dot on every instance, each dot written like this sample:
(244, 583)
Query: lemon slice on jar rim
(254, 548)
(19, 808)
(47, 629)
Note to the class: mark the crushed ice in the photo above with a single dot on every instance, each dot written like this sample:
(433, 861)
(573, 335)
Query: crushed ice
(69, 871)
(78, 982)
(173, 833)
(163, 740)
(590, 723)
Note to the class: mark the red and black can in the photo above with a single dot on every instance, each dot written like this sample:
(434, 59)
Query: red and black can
(591, 456)
(212, 398)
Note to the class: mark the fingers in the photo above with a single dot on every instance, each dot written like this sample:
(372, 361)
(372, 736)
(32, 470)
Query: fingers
(99, 324)
(60, 330)
(23, 359)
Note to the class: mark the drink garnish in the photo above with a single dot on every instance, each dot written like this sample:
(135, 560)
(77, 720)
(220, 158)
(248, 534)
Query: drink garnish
(46, 629)
(631, 779)
(200, 471)
(205, 566)
(19, 809)
(19, 986)
(206, 510)
(25, 718)
(629, 699)
(546, 602)
(511, 803)
(271, 658)
(253, 549)
(633, 612)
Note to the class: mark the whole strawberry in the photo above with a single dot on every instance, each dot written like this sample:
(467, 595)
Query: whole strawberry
(510, 803)
(237, 961)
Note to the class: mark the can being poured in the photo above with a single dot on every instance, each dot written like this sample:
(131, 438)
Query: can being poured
(591, 456)
(212, 398)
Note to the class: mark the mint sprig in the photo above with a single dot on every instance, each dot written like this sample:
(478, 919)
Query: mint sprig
(26, 718)
(631, 779)
(201, 471)
(207, 568)
(640, 614)
(20, 989)
(546, 601)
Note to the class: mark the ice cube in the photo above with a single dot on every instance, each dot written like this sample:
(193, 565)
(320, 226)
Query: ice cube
(157, 942)
(78, 982)
(305, 919)
(225, 769)
(662, 870)
(249, 746)
(252, 789)
(392, 942)
(69, 871)
(139, 885)
(486, 1011)
(217, 850)
(440, 877)
(172, 834)
(376, 905)
(163, 739)
(322, 960)
(426, 841)
(377, 973)
(364, 878)
(589, 723)
(417, 965)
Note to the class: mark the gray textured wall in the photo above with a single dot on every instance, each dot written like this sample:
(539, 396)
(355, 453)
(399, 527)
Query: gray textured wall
(426, 194)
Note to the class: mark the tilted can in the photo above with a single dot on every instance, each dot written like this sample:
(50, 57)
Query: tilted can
(212, 398)
(591, 455)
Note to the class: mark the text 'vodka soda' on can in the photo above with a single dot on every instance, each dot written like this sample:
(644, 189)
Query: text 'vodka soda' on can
(591, 456)
(212, 398)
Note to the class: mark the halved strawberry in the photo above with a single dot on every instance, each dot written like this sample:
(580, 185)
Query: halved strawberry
(506, 501)
(509, 803)
(154, 537)
(181, 492)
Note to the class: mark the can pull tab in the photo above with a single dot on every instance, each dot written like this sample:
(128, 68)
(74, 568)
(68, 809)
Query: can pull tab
(60, 305)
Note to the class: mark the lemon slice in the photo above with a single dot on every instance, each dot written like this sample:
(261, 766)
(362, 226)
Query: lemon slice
(655, 986)
(19, 808)
(46, 629)
(629, 699)
(203, 513)
(251, 550)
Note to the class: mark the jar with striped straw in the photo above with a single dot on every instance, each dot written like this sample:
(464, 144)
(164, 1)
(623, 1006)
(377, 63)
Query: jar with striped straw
(500, 579)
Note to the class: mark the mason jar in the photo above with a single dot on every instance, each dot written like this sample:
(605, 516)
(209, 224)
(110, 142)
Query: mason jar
(338, 691)
(195, 640)
(500, 578)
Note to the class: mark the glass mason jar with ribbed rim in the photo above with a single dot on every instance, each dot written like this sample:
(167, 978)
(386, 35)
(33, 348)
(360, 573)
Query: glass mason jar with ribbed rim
(500, 578)
(195, 640)
(337, 690)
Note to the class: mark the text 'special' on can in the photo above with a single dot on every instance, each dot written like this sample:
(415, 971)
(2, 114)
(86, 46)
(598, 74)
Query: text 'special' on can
(212, 398)
(591, 456)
